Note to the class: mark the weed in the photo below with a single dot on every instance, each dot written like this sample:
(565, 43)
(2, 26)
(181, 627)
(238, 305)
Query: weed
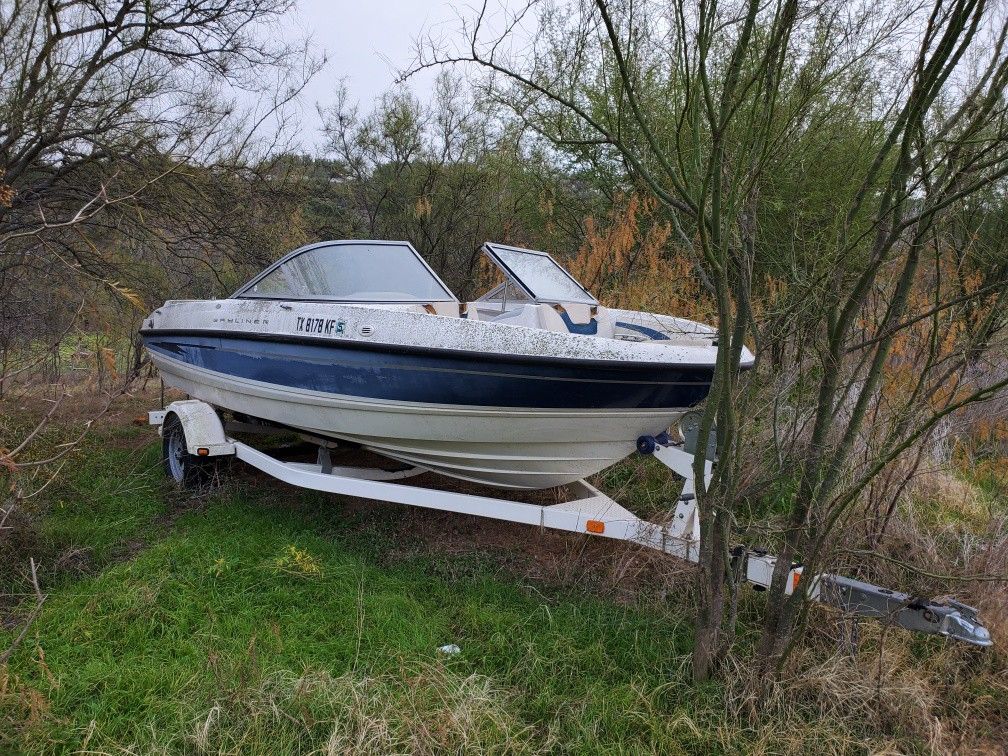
(295, 561)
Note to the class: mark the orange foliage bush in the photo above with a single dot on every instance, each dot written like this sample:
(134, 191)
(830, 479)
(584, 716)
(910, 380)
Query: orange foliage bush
(627, 261)
(938, 339)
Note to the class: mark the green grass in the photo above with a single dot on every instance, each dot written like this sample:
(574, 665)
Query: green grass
(644, 481)
(111, 497)
(263, 619)
(185, 612)
(967, 505)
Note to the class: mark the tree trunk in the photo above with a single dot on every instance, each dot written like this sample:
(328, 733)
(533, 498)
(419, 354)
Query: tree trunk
(711, 640)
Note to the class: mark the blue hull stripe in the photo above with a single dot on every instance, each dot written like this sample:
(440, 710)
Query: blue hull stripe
(438, 379)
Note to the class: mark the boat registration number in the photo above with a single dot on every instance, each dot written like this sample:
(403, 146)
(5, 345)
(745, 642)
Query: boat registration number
(326, 326)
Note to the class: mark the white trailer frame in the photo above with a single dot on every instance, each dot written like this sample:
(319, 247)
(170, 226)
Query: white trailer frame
(590, 511)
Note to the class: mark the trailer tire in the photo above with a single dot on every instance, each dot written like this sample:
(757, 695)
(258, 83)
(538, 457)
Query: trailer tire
(184, 469)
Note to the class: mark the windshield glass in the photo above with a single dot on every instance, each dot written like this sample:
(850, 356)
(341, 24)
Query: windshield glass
(539, 275)
(352, 271)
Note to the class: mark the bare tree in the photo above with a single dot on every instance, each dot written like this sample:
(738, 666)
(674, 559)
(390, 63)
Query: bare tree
(100, 102)
(445, 174)
(708, 106)
(122, 127)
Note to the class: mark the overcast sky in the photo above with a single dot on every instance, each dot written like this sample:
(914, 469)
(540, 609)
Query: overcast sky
(365, 41)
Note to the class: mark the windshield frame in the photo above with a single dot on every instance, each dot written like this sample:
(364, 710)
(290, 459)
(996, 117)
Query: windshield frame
(244, 292)
(489, 248)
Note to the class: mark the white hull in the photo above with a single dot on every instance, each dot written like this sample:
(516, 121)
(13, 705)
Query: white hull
(504, 447)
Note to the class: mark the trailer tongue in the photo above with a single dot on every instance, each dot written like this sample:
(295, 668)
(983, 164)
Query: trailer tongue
(194, 435)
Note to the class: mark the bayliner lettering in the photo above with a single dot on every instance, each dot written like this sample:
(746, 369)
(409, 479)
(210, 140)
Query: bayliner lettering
(326, 326)
(241, 321)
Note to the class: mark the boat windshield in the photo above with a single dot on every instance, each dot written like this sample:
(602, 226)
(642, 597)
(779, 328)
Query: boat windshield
(538, 275)
(350, 271)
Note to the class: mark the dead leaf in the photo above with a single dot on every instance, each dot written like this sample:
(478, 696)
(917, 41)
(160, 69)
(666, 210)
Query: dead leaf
(108, 359)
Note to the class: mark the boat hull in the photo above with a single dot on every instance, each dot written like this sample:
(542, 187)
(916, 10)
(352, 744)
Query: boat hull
(493, 419)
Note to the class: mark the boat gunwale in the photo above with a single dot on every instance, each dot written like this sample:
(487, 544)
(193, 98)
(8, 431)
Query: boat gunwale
(378, 346)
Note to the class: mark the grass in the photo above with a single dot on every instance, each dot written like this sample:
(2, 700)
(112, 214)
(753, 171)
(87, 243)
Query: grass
(244, 598)
(263, 619)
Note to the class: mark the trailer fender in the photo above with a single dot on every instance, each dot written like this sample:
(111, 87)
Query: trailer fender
(204, 431)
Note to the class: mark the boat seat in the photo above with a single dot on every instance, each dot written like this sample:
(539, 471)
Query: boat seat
(578, 318)
(526, 316)
(550, 320)
(547, 318)
(579, 314)
(606, 323)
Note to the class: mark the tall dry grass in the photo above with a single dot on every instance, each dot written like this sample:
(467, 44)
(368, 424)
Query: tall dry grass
(423, 709)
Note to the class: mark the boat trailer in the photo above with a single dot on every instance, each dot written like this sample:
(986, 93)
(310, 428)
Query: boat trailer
(204, 436)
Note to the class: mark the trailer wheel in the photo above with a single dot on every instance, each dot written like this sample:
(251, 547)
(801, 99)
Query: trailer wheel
(185, 469)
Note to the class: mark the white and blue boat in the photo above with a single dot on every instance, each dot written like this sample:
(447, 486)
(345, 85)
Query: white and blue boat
(533, 385)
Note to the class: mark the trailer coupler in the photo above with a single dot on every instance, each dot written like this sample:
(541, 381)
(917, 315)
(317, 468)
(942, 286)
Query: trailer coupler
(952, 618)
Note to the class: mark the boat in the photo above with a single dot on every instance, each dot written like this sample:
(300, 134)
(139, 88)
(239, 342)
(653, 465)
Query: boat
(533, 385)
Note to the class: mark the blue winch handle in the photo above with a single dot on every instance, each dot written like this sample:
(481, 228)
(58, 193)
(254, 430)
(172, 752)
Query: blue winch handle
(647, 444)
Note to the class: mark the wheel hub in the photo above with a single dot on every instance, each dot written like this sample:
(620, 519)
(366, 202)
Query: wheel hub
(176, 456)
